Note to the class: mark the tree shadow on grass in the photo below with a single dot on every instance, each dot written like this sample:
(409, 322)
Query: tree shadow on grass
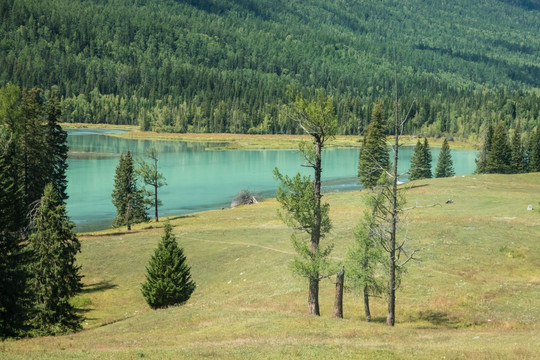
(99, 286)
(379, 319)
(441, 319)
(417, 186)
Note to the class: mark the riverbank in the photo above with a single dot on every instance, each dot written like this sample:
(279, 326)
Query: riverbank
(473, 295)
(254, 142)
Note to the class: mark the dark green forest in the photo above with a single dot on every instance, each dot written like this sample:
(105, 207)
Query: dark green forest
(226, 65)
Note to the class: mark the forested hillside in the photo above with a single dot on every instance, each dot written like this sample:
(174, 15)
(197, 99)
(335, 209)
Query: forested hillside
(225, 65)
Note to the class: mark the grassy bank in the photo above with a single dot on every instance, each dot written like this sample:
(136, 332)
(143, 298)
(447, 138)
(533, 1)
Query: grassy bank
(255, 142)
(475, 293)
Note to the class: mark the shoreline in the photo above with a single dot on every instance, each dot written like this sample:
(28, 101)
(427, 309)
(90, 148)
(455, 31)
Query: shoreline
(253, 141)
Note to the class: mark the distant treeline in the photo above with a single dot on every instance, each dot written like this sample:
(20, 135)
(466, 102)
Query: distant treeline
(225, 66)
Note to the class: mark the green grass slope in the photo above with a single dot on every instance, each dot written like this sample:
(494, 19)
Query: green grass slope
(475, 293)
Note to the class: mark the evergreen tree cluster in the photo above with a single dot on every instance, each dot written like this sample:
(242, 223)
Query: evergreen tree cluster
(421, 161)
(504, 153)
(38, 274)
(224, 65)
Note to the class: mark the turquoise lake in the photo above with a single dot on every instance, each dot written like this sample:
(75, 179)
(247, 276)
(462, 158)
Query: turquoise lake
(200, 178)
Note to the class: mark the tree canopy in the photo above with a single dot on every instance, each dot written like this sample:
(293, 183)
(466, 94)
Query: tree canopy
(224, 65)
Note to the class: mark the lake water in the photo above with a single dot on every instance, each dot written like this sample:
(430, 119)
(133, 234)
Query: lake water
(198, 177)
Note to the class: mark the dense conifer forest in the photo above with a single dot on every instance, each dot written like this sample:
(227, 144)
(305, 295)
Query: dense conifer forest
(226, 65)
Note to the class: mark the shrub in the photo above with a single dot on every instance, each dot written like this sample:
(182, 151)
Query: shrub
(245, 197)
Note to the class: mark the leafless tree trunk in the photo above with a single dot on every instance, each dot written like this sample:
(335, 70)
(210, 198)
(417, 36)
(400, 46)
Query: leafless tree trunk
(338, 303)
(313, 298)
(391, 316)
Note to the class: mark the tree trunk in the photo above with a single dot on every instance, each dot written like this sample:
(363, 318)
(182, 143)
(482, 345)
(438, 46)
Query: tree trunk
(156, 186)
(338, 303)
(128, 215)
(156, 202)
(366, 304)
(313, 297)
(390, 318)
(313, 300)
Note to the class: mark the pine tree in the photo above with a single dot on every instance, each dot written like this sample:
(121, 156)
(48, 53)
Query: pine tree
(12, 255)
(518, 154)
(427, 160)
(445, 165)
(534, 151)
(53, 276)
(500, 155)
(417, 162)
(127, 197)
(57, 148)
(481, 161)
(373, 158)
(34, 155)
(168, 279)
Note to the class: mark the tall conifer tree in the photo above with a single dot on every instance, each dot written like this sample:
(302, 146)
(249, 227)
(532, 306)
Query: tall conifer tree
(57, 148)
(499, 160)
(54, 276)
(34, 154)
(373, 159)
(427, 160)
(127, 197)
(518, 154)
(445, 165)
(417, 162)
(481, 161)
(534, 151)
(12, 255)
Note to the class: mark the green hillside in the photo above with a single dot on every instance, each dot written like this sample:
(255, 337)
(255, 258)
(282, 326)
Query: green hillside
(224, 66)
(473, 294)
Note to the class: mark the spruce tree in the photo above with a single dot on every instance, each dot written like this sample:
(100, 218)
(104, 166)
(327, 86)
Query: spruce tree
(534, 151)
(12, 254)
(53, 275)
(499, 160)
(481, 161)
(126, 196)
(168, 278)
(427, 160)
(417, 162)
(518, 154)
(445, 165)
(34, 155)
(57, 148)
(373, 158)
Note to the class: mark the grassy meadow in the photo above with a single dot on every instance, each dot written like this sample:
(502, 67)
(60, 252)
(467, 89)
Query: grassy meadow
(474, 293)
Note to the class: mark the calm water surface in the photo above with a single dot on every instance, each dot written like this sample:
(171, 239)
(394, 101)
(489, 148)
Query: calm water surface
(198, 177)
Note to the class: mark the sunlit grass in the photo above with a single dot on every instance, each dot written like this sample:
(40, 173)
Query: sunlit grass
(474, 293)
